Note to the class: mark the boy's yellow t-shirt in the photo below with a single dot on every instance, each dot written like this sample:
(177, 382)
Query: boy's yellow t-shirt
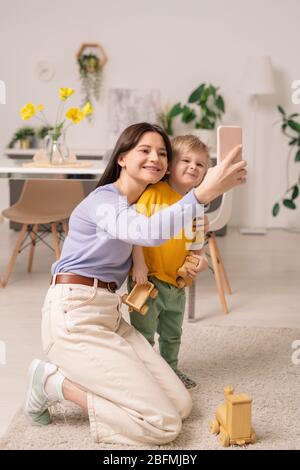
(163, 261)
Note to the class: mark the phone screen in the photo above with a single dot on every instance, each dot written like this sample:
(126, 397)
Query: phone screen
(228, 137)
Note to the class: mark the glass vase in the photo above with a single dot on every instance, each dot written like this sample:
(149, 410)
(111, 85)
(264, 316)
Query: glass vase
(56, 148)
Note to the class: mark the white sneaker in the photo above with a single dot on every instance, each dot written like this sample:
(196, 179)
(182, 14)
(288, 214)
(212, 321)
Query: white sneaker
(37, 401)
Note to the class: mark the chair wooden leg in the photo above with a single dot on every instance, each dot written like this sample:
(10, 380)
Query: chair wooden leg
(222, 269)
(14, 255)
(217, 273)
(55, 241)
(65, 227)
(192, 302)
(32, 246)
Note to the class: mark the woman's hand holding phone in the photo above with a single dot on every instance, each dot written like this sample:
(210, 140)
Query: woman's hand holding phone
(222, 177)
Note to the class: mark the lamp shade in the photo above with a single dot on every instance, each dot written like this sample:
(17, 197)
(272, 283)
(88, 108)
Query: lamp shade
(258, 78)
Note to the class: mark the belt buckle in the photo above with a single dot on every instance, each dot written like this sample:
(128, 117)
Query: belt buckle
(109, 288)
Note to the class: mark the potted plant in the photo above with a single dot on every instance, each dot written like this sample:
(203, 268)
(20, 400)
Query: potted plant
(24, 136)
(291, 129)
(211, 108)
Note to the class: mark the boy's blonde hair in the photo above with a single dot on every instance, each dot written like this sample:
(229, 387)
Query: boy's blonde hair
(186, 143)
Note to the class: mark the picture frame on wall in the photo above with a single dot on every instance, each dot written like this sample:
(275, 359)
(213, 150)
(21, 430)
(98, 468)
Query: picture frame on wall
(129, 106)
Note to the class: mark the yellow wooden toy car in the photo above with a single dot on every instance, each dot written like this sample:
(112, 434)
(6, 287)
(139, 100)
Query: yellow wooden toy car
(137, 298)
(233, 420)
(183, 279)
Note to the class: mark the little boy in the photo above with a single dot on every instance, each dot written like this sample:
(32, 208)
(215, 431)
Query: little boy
(165, 315)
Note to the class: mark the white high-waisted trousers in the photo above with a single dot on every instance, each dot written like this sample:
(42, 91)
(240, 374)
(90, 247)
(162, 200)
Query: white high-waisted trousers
(134, 397)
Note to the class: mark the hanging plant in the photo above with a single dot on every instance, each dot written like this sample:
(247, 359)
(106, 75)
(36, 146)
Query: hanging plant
(91, 59)
(90, 76)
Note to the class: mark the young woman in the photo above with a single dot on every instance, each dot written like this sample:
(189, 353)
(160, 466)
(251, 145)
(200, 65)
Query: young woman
(97, 360)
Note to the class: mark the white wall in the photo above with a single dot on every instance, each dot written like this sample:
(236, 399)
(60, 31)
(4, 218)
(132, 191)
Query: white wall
(172, 45)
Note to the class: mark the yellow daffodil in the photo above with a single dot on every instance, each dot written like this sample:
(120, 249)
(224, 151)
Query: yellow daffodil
(27, 111)
(65, 93)
(87, 109)
(75, 115)
(40, 107)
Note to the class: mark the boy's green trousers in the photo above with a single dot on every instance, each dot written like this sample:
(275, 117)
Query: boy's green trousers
(165, 316)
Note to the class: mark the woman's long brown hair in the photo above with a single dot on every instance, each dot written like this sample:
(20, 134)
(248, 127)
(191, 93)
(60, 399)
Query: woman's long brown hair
(127, 141)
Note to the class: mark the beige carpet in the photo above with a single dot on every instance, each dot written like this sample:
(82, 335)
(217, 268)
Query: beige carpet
(256, 361)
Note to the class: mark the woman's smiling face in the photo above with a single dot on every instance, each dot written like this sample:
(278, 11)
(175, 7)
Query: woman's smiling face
(147, 162)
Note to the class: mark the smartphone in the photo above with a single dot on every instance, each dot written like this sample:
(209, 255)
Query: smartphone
(228, 137)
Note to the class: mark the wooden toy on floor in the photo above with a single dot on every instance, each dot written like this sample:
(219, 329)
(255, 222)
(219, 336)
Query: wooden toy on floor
(183, 279)
(233, 420)
(137, 298)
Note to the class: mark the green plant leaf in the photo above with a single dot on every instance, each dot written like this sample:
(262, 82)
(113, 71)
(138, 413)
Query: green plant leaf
(175, 110)
(294, 115)
(204, 108)
(293, 141)
(205, 123)
(196, 94)
(211, 105)
(211, 90)
(57, 130)
(281, 110)
(275, 209)
(294, 125)
(220, 104)
(297, 156)
(211, 113)
(12, 143)
(168, 126)
(205, 95)
(289, 204)
(188, 114)
(295, 192)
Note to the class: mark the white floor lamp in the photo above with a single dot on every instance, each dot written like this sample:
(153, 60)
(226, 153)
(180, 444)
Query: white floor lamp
(258, 82)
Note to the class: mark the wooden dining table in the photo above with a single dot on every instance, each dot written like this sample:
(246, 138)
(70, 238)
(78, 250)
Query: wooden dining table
(13, 169)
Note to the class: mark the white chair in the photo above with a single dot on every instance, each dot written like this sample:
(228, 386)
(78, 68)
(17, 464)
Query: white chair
(217, 220)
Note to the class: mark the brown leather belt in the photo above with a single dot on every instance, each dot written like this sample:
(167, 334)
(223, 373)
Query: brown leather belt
(69, 278)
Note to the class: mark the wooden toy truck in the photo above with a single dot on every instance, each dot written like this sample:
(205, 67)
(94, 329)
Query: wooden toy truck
(233, 420)
(183, 279)
(137, 298)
